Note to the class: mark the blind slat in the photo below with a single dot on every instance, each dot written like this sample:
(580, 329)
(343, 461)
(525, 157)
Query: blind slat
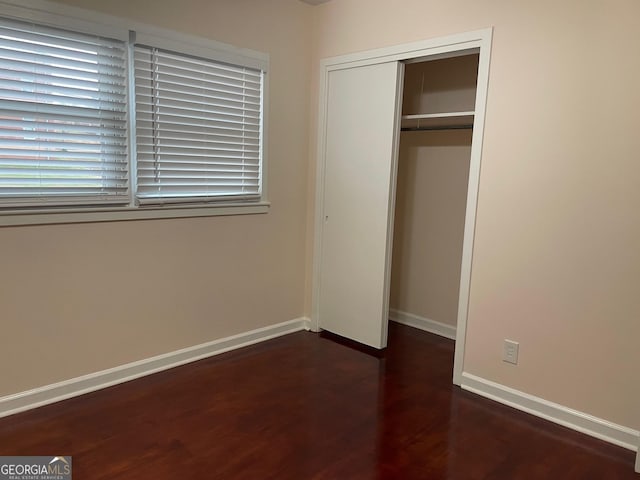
(32, 61)
(179, 122)
(22, 47)
(56, 127)
(161, 105)
(196, 171)
(70, 120)
(23, 67)
(193, 64)
(53, 90)
(26, 96)
(249, 141)
(117, 138)
(79, 83)
(81, 40)
(181, 130)
(70, 164)
(237, 124)
(198, 145)
(176, 82)
(157, 158)
(171, 97)
(15, 109)
(85, 181)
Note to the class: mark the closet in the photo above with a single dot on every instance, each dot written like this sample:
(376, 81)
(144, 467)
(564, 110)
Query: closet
(433, 173)
(399, 135)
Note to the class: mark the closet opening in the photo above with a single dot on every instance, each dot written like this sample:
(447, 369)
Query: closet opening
(425, 100)
(439, 98)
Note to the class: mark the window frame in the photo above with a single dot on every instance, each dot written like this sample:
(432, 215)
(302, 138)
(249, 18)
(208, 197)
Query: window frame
(86, 21)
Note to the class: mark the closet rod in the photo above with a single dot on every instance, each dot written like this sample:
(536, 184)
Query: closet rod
(441, 127)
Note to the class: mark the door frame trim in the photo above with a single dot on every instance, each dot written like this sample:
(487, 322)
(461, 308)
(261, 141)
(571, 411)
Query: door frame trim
(430, 49)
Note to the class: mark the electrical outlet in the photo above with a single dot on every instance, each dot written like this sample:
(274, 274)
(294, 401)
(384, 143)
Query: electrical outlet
(510, 353)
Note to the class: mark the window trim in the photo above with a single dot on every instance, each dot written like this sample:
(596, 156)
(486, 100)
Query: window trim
(87, 21)
(91, 214)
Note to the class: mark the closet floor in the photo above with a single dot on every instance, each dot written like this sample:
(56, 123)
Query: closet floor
(305, 407)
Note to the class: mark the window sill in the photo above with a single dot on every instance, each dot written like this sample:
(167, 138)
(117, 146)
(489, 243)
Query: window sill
(115, 214)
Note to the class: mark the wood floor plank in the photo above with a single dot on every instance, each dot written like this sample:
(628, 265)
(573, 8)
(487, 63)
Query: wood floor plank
(305, 407)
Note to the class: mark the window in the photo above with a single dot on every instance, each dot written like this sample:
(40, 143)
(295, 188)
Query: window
(63, 119)
(89, 123)
(197, 128)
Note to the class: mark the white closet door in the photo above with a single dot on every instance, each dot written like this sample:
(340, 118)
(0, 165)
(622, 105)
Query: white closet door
(359, 190)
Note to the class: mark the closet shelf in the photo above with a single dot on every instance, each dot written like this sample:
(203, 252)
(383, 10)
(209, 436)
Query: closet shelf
(437, 121)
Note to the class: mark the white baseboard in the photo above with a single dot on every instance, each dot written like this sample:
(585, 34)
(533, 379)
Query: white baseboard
(74, 387)
(422, 323)
(582, 422)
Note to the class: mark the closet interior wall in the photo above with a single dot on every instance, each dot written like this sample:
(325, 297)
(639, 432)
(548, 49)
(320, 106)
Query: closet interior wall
(433, 171)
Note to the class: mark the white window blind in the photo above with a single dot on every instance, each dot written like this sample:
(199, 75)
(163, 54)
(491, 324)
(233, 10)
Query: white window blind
(198, 128)
(63, 121)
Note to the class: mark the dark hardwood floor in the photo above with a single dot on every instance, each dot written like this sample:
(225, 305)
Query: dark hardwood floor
(304, 407)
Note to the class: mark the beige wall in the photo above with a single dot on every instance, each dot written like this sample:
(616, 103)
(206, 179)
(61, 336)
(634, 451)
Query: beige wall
(81, 298)
(556, 261)
(433, 172)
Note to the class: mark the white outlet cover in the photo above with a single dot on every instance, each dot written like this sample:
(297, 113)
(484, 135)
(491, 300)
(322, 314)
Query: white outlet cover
(510, 352)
